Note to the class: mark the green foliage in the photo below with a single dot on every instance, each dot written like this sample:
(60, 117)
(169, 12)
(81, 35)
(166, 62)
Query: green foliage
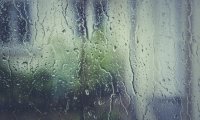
(86, 69)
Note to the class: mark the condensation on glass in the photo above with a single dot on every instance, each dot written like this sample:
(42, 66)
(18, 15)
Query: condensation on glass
(99, 59)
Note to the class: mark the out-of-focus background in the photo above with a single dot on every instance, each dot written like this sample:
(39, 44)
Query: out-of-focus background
(99, 59)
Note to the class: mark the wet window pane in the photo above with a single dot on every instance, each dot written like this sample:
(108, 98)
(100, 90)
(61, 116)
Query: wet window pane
(99, 59)
(14, 17)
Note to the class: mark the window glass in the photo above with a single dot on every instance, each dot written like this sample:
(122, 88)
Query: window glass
(99, 59)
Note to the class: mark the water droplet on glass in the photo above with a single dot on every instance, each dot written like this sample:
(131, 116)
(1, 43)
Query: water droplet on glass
(87, 92)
